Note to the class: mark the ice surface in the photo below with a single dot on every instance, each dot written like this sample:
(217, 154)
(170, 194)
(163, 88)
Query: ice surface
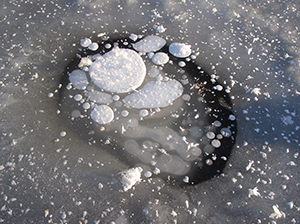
(251, 47)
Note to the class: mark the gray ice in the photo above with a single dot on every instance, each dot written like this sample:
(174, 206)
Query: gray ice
(49, 175)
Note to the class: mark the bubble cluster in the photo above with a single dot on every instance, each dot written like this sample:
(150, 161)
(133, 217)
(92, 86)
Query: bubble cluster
(171, 119)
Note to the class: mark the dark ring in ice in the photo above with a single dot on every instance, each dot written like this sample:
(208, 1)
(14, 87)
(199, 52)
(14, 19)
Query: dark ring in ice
(215, 108)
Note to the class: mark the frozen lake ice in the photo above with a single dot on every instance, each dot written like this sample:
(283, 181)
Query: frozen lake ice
(51, 175)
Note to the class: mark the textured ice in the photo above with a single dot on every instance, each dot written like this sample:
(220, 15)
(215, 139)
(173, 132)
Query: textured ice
(251, 47)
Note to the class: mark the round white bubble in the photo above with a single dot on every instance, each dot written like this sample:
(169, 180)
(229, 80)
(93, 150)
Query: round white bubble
(210, 135)
(93, 46)
(160, 58)
(124, 113)
(77, 97)
(85, 42)
(102, 114)
(118, 71)
(144, 113)
(78, 79)
(86, 106)
(180, 50)
(216, 143)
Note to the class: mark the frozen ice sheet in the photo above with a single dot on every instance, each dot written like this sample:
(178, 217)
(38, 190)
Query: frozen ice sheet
(251, 46)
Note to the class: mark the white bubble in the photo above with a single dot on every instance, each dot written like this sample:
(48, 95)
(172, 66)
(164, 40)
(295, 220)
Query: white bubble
(85, 42)
(218, 87)
(149, 44)
(86, 106)
(124, 113)
(180, 50)
(217, 124)
(78, 97)
(147, 174)
(116, 97)
(93, 46)
(124, 65)
(209, 162)
(63, 134)
(102, 114)
(231, 117)
(50, 95)
(160, 58)
(144, 112)
(107, 46)
(226, 132)
(216, 143)
(78, 79)
(181, 64)
(210, 135)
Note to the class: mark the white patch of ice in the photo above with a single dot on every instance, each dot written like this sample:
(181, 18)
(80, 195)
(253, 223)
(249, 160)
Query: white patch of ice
(149, 44)
(133, 37)
(155, 94)
(102, 114)
(277, 214)
(180, 50)
(131, 177)
(78, 79)
(118, 71)
(253, 192)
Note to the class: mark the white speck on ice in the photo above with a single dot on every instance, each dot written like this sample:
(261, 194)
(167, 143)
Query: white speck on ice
(256, 91)
(155, 94)
(85, 42)
(130, 177)
(149, 44)
(253, 192)
(118, 71)
(180, 50)
(160, 58)
(248, 167)
(102, 114)
(287, 120)
(277, 214)
(133, 37)
(78, 79)
(63, 134)
(160, 28)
